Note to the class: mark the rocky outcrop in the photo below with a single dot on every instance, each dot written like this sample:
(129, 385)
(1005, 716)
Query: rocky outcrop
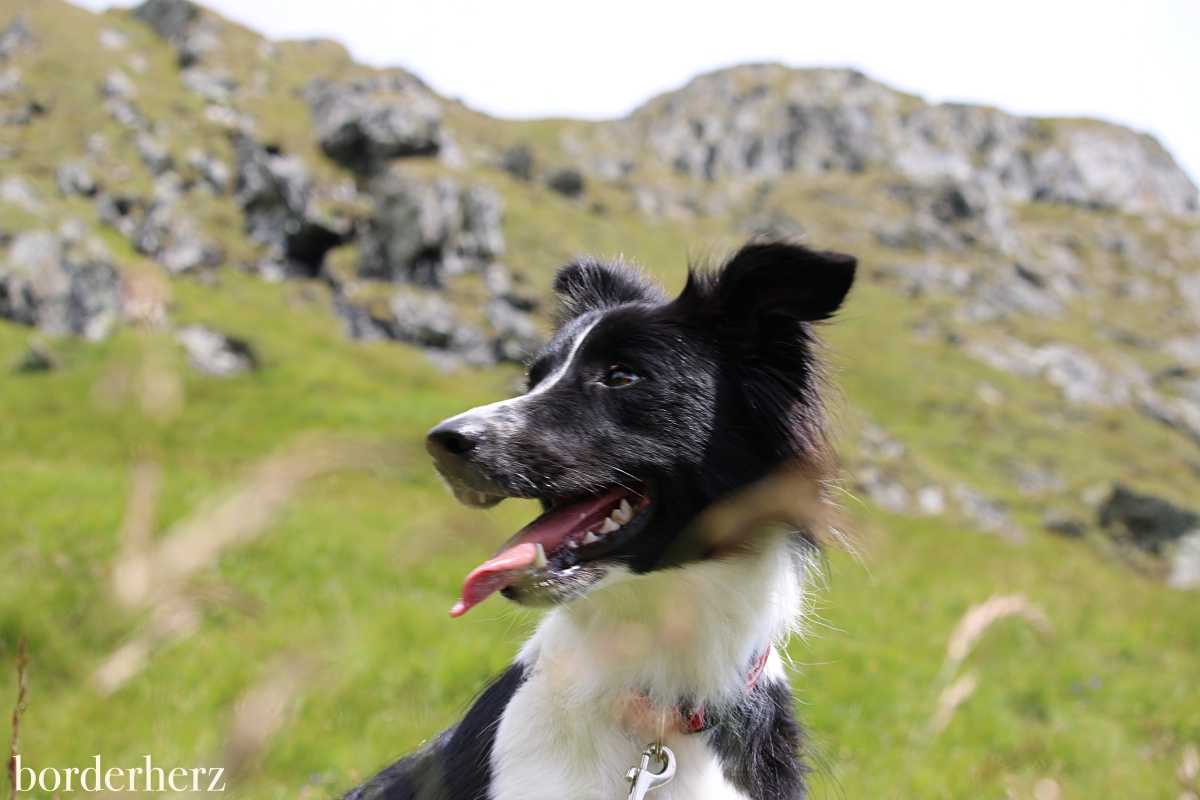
(276, 194)
(189, 28)
(366, 123)
(764, 121)
(427, 319)
(62, 283)
(159, 226)
(423, 231)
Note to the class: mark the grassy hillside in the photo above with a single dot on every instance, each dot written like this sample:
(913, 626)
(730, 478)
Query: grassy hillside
(318, 647)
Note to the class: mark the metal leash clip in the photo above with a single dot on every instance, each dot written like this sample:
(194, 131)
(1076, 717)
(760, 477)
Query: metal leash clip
(642, 779)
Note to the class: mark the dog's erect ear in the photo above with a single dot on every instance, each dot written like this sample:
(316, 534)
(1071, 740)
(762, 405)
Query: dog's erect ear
(782, 281)
(588, 285)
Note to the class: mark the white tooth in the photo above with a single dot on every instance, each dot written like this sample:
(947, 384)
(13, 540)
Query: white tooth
(572, 545)
(590, 538)
(624, 512)
(610, 525)
(540, 560)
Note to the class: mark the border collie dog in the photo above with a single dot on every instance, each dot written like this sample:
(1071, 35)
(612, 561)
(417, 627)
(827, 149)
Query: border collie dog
(645, 421)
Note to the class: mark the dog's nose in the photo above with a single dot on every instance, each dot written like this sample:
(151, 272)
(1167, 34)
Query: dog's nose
(452, 438)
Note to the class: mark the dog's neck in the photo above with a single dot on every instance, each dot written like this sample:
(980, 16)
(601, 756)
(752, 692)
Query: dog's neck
(685, 634)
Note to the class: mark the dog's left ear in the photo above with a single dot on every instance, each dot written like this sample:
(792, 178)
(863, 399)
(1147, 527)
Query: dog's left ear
(780, 281)
(586, 285)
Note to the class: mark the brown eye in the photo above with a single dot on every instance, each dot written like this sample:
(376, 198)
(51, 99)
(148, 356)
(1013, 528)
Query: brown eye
(618, 376)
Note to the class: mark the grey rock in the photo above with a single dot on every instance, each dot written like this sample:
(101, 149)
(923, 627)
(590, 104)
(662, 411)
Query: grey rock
(154, 154)
(275, 193)
(185, 25)
(160, 228)
(1079, 377)
(886, 492)
(74, 177)
(875, 444)
(1181, 413)
(567, 182)
(117, 86)
(422, 231)
(1033, 481)
(215, 87)
(173, 239)
(61, 288)
(125, 114)
(515, 339)
(500, 286)
(776, 224)
(951, 216)
(112, 39)
(424, 318)
(16, 37)
(366, 123)
(37, 358)
(1098, 165)
(1148, 522)
(931, 277)
(22, 114)
(118, 212)
(1001, 292)
(213, 353)
(170, 19)
(10, 81)
(990, 515)
(1188, 286)
(19, 192)
(213, 171)
(1185, 563)
(482, 236)
(1063, 524)
(931, 501)
(518, 161)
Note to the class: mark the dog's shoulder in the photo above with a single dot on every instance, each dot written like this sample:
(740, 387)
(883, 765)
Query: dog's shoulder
(456, 764)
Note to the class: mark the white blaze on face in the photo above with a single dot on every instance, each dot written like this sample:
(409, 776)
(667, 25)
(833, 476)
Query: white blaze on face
(493, 415)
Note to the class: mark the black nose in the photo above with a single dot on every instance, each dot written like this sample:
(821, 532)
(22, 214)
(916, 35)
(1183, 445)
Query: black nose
(452, 438)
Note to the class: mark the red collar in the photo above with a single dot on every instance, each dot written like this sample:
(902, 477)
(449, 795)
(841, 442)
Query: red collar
(692, 714)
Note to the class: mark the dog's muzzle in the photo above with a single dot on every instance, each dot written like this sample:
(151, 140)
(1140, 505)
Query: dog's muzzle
(451, 444)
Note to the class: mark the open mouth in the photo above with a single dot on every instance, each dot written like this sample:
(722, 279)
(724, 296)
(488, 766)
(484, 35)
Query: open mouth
(553, 550)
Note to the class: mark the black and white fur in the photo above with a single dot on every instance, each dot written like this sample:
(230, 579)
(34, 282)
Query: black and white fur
(693, 398)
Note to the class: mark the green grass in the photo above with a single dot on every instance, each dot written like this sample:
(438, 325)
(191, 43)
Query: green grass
(348, 590)
(354, 581)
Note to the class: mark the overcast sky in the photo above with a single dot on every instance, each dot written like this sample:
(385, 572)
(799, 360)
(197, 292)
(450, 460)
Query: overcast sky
(1136, 63)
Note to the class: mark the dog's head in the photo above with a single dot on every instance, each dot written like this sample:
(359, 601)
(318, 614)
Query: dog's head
(641, 412)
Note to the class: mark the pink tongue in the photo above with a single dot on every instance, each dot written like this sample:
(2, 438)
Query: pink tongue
(493, 575)
(549, 530)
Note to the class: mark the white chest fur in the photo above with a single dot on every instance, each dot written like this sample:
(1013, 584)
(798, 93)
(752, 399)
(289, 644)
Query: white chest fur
(607, 672)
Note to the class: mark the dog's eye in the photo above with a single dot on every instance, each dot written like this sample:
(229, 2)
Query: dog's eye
(618, 376)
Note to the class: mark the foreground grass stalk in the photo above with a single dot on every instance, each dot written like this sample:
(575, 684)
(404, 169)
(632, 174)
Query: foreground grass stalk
(18, 712)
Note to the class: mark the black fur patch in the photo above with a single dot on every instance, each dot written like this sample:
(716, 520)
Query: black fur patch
(759, 745)
(456, 765)
(586, 284)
